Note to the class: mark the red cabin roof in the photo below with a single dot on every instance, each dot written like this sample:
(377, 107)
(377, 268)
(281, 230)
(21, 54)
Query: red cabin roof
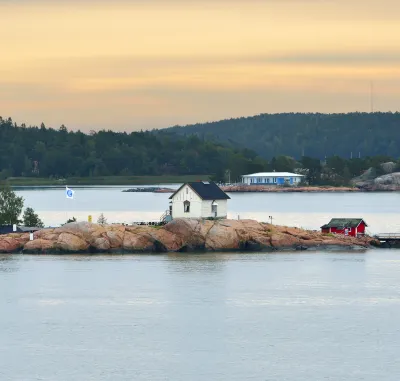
(341, 223)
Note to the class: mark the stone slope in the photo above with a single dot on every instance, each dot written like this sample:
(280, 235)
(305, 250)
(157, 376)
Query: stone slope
(178, 235)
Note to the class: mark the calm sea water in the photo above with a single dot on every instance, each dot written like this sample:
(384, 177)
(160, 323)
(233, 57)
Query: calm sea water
(292, 316)
(307, 210)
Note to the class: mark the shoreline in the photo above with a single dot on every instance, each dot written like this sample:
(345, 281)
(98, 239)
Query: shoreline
(180, 235)
(103, 180)
(307, 189)
(293, 189)
(156, 181)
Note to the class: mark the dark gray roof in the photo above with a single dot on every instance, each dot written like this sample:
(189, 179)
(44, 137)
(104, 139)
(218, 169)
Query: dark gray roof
(28, 228)
(342, 223)
(206, 190)
(7, 229)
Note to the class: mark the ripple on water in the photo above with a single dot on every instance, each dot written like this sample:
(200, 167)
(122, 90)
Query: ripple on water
(295, 317)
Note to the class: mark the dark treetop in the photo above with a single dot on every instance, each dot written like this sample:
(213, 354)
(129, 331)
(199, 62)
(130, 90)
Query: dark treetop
(314, 135)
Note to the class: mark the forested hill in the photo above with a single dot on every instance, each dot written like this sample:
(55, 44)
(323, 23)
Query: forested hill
(314, 135)
(47, 152)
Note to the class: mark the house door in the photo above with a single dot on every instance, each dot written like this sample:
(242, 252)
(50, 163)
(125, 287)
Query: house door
(214, 209)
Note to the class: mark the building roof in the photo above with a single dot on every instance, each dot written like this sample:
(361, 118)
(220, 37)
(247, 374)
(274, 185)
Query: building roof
(25, 229)
(273, 174)
(6, 229)
(342, 223)
(206, 190)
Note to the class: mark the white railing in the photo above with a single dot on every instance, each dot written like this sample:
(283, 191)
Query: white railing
(388, 235)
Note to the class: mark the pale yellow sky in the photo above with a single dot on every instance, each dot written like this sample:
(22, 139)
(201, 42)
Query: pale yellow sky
(137, 64)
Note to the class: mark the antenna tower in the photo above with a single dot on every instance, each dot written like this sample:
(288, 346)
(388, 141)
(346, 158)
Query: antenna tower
(372, 97)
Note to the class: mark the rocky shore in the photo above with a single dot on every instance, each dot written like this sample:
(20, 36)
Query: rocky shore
(266, 188)
(385, 183)
(148, 190)
(180, 235)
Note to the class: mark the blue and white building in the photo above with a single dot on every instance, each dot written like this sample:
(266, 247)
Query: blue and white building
(272, 178)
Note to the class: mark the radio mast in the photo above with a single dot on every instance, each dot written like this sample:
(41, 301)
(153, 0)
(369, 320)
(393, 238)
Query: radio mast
(372, 97)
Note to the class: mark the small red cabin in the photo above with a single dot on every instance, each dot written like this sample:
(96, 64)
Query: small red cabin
(347, 226)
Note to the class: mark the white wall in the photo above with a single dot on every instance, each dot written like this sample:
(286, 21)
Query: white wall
(264, 181)
(198, 208)
(222, 209)
(186, 194)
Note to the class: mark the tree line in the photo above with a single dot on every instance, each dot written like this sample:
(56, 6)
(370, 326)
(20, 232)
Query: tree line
(299, 134)
(59, 153)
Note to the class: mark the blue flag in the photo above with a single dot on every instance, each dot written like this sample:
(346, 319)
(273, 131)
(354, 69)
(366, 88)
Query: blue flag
(69, 193)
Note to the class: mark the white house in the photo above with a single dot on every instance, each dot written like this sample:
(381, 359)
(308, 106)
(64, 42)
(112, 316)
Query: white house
(272, 178)
(200, 199)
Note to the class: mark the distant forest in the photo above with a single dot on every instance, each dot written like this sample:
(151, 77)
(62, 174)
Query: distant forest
(313, 135)
(46, 152)
(59, 153)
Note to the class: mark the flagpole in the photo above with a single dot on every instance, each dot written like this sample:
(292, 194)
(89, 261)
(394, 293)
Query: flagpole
(66, 204)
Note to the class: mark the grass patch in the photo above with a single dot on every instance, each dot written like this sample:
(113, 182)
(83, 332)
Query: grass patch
(105, 180)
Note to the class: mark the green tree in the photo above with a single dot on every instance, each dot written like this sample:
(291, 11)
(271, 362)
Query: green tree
(336, 164)
(284, 164)
(102, 220)
(313, 167)
(10, 206)
(346, 175)
(30, 218)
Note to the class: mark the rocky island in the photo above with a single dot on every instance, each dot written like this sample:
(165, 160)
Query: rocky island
(180, 235)
(149, 190)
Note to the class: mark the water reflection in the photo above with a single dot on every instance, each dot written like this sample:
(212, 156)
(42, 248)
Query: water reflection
(208, 263)
(9, 263)
(232, 316)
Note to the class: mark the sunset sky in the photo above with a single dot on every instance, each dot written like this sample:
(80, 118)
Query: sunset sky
(127, 65)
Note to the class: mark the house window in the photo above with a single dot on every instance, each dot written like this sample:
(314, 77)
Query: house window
(186, 207)
(187, 190)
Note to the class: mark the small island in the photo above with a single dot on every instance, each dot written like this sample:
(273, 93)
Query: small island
(149, 190)
(179, 235)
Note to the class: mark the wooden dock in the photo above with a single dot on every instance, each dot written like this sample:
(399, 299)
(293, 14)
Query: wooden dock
(388, 236)
(389, 239)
